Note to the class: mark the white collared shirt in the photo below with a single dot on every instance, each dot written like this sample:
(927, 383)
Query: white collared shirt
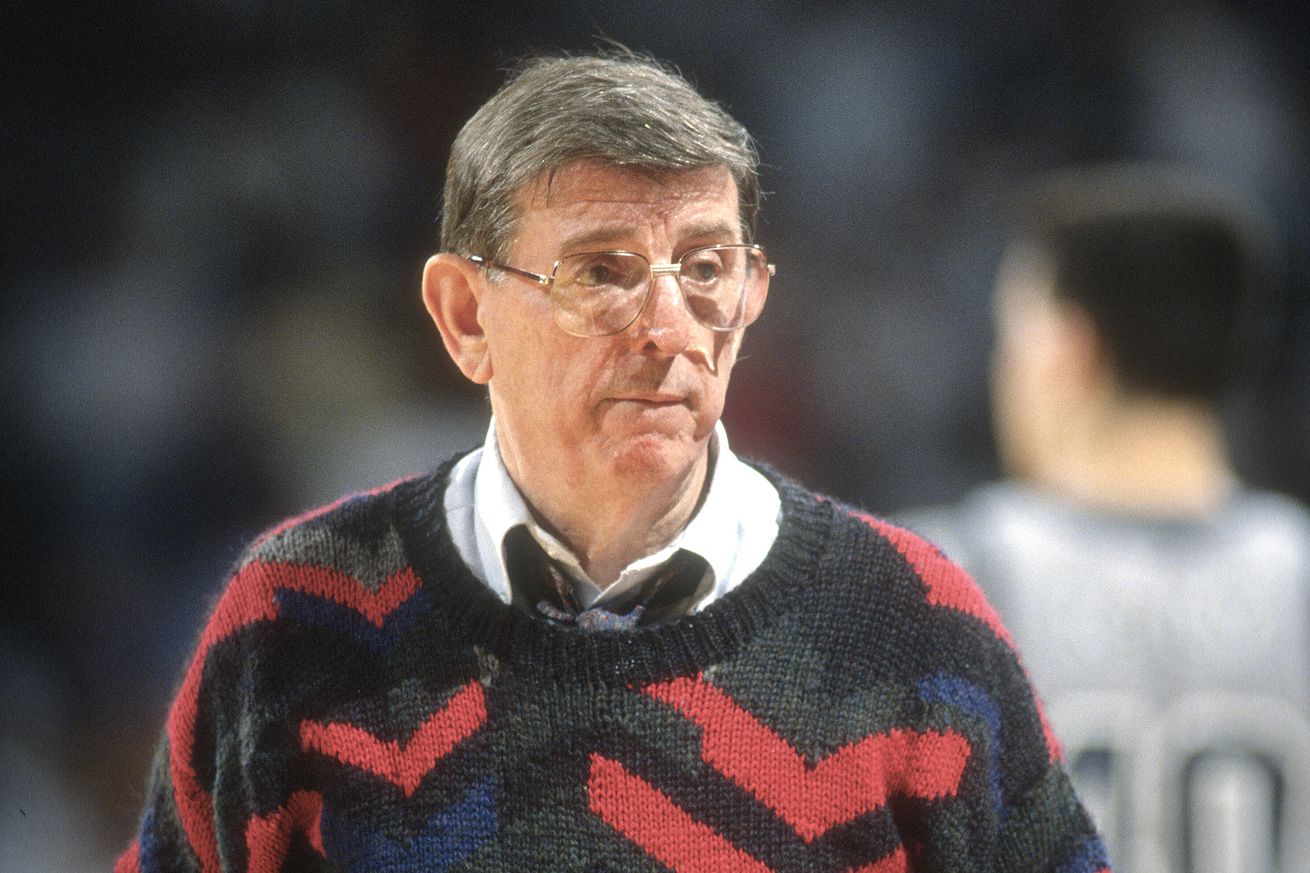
(733, 530)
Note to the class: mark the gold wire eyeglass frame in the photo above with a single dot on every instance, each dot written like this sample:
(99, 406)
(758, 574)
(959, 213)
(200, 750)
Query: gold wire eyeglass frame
(547, 281)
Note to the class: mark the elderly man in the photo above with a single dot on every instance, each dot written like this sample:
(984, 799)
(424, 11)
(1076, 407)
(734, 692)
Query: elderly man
(601, 641)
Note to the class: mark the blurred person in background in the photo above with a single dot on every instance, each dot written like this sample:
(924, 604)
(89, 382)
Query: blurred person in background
(601, 640)
(1161, 607)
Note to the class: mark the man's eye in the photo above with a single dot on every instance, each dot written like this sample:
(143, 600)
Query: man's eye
(702, 270)
(596, 274)
(596, 271)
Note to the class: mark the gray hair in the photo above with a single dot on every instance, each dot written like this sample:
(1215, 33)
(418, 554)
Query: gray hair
(616, 107)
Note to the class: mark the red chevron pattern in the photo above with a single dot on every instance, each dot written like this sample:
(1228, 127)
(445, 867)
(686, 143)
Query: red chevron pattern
(645, 815)
(721, 764)
(404, 766)
(250, 598)
(948, 585)
(951, 587)
(268, 837)
(854, 780)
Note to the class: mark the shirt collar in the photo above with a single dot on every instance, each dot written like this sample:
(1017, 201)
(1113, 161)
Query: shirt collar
(712, 533)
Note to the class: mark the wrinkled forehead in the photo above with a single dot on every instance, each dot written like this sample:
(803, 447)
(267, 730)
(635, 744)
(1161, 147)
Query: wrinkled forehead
(590, 187)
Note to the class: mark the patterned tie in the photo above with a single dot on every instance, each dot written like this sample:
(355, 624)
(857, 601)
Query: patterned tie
(540, 583)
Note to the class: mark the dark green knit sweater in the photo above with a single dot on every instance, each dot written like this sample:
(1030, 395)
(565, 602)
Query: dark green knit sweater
(359, 701)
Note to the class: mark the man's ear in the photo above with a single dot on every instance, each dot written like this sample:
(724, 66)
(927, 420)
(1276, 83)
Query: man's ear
(1083, 353)
(451, 292)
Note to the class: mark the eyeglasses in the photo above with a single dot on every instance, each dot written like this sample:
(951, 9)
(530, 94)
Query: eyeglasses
(602, 293)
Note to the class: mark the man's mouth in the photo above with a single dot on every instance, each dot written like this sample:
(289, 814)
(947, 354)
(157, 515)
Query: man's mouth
(655, 398)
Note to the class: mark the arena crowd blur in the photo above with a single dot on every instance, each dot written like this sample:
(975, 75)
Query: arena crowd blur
(216, 215)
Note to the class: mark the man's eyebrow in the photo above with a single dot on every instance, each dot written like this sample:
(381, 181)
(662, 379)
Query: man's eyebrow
(715, 229)
(598, 236)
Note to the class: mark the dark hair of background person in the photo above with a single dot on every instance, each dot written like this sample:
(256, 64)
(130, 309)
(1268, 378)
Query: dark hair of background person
(1169, 268)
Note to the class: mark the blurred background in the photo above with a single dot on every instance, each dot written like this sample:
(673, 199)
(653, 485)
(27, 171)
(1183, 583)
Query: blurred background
(216, 215)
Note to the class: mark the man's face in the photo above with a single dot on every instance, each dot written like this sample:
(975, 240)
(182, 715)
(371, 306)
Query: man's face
(636, 408)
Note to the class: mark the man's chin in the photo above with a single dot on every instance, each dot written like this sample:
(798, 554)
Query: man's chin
(655, 457)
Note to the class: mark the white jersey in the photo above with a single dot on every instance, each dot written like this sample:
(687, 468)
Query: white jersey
(1174, 659)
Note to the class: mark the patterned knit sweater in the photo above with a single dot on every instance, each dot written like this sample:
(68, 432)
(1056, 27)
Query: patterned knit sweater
(359, 701)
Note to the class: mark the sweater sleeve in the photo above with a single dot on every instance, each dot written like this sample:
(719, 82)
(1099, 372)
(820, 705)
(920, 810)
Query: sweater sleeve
(1036, 822)
(196, 810)
(1042, 825)
(222, 794)
(1025, 815)
(160, 842)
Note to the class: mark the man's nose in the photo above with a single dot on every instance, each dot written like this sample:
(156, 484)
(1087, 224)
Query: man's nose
(664, 323)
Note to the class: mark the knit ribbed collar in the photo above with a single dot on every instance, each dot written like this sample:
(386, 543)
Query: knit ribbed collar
(474, 615)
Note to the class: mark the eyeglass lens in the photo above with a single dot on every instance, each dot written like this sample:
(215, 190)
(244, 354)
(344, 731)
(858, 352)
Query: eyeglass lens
(600, 293)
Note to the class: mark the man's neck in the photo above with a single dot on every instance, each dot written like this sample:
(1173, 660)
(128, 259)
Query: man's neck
(622, 523)
(1146, 457)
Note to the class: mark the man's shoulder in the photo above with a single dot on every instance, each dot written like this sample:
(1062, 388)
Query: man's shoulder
(1277, 514)
(857, 529)
(895, 533)
(344, 565)
(369, 519)
(356, 528)
(899, 562)
(945, 583)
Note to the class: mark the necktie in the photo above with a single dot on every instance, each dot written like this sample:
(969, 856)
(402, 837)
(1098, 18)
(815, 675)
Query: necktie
(542, 586)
